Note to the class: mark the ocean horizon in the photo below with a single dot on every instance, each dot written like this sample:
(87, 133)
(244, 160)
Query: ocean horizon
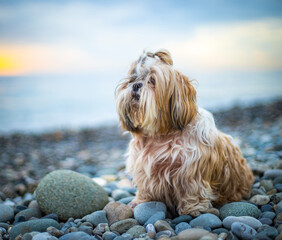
(48, 103)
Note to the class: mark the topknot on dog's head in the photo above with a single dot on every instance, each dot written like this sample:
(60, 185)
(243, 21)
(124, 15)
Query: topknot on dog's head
(161, 55)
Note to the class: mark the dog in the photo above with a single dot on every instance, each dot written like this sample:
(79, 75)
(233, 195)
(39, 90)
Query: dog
(176, 155)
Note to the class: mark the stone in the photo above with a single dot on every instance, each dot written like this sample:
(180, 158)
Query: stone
(220, 230)
(267, 231)
(101, 228)
(96, 217)
(239, 209)
(252, 222)
(267, 184)
(279, 237)
(76, 236)
(183, 218)
(165, 234)
(270, 215)
(123, 225)
(195, 234)
(52, 216)
(119, 194)
(260, 199)
(55, 232)
(29, 213)
(206, 220)
(144, 211)
(136, 231)
(6, 213)
(117, 211)
(162, 225)
(33, 204)
(242, 230)
(150, 228)
(213, 211)
(86, 229)
(266, 208)
(126, 200)
(278, 218)
(44, 236)
(69, 194)
(39, 225)
(109, 235)
(277, 180)
(157, 216)
(266, 221)
(272, 173)
(181, 227)
(278, 186)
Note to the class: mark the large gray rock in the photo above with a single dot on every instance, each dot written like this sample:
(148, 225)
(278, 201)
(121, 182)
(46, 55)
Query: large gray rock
(239, 209)
(206, 220)
(70, 194)
(39, 225)
(6, 213)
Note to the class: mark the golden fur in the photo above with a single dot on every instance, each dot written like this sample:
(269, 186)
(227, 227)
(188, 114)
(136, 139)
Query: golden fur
(177, 155)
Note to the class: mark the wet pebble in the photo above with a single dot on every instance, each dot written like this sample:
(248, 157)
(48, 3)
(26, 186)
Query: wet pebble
(242, 230)
(96, 217)
(181, 227)
(6, 213)
(206, 220)
(238, 209)
(123, 225)
(260, 199)
(252, 222)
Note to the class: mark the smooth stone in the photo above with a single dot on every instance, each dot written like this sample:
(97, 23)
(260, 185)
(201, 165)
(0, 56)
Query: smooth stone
(150, 228)
(29, 213)
(117, 211)
(162, 225)
(164, 234)
(195, 234)
(119, 194)
(242, 230)
(267, 184)
(96, 217)
(44, 236)
(52, 216)
(272, 173)
(278, 218)
(126, 200)
(76, 236)
(239, 209)
(183, 218)
(33, 204)
(2, 231)
(109, 235)
(6, 213)
(206, 220)
(157, 216)
(270, 215)
(220, 230)
(278, 186)
(144, 211)
(277, 180)
(86, 229)
(266, 221)
(69, 194)
(55, 232)
(101, 228)
(266, 208)
(123, 237)
(279, 237)
(39, 225)
(252, 222)
(181, 227)
(4, 225)
(29, 236)
(260, 199)
(123, 225)
(279, 229)
(136, 231)
(267, 231)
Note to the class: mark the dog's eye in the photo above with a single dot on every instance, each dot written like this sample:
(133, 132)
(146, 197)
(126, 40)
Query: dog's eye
(152, 81)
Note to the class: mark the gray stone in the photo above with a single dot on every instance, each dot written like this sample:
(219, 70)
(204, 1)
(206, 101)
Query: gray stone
(144, 211)
(119, 194)
(195, 234)
(123, 225)
(29, 213)
(267, 184)
(123, 237)
(270, 215)
(164, 234)
(260, 199)
(39, 225)
(70, 194)
(44, 236)
(272, 173)
(183, 218)
(181, 227)
(126, 200)
(76, 236)
(109, 235)
(220, 230)
(150, 228)
(6, 213)
(252, 222)
(157, 216)
(97, 217)
(277, 180)
(266, 221)
(239, 209)
(206, 220)
(278, 187)
(136, 231)
(162, 225)
(30, 235)
(242, 230)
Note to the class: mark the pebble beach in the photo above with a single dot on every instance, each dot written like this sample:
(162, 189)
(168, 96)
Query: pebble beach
(70, 184)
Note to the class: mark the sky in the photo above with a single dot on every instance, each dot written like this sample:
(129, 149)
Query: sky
(86, 37)
(60, 61)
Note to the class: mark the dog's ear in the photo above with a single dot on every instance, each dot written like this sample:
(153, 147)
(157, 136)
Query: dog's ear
(164, 56)
(183, 107)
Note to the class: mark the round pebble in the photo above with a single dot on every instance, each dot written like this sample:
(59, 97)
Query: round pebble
(252, 222)
(181, 227)
(136, 231)
(123, 225)
(79, 195)
(206, 220)
(195, 234)
(76, 236)
(238, 209)
(260, 199)
(242, 230)
(96, 217)
(157, 216)
(6, 213)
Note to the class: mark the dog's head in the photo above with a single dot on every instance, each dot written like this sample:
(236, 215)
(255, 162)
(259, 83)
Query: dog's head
(155, 98)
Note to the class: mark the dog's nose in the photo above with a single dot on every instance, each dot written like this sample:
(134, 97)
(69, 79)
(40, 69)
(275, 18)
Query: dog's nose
(137, 86)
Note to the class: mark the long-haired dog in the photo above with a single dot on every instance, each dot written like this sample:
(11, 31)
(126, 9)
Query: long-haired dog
(177, 155)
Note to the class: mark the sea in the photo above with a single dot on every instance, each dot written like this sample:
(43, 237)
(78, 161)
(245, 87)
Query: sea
(54, 102)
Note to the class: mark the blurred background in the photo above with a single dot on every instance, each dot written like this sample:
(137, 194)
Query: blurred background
(60, 61)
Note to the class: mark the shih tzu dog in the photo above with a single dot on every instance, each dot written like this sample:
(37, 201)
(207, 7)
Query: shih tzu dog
(177, 155)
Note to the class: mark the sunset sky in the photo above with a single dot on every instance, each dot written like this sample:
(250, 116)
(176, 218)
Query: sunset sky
(75, 37)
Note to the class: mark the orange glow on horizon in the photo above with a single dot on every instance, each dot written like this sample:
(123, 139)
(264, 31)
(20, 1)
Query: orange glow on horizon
(8, 65)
